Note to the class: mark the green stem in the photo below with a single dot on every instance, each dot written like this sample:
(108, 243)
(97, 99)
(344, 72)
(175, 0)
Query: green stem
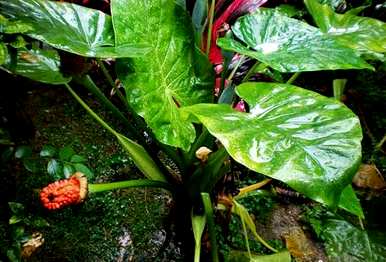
(380, 144)
(197, 253)
(293, 78)
(137, 153)
(338, 86)
(112, 83)
(93, 88)
(246, 238)
(211, 228)
(89, 110)
(96, 188)
(235, 68)
(251, 71)
(211, 17)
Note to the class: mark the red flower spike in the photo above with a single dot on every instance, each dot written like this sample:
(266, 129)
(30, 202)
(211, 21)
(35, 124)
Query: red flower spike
(64, 192)
(236, 8)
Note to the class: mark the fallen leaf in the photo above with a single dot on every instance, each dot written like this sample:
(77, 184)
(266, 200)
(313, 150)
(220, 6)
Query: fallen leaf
(368, 176)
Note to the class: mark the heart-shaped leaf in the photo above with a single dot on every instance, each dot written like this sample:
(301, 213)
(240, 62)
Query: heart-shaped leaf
(310, 142)
(172, 75)
(69, 27)
(289, 45)
(38, 64)
(367, 35)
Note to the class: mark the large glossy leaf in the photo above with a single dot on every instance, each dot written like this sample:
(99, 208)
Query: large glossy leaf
(69, 27)
(361, 33)
(310, 142)
(289, 45)
(344, 242)
(173, 74)
(38, 64)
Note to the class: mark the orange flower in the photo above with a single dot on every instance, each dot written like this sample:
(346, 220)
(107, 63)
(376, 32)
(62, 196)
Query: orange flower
(64, 192)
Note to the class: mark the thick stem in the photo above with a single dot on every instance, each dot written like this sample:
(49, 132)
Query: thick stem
(211, 228)
(96, 188)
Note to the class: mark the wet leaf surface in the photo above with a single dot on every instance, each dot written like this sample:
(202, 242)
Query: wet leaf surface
(288, 45)
(174, 74)
(72, 28)
(41, 65)
(364, 34)
(344, 242)
(308, 141)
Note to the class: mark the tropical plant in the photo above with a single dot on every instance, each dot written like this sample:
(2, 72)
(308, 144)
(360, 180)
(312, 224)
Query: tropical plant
(290, 134)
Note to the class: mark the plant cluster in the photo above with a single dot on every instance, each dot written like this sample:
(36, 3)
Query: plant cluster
(190, 113)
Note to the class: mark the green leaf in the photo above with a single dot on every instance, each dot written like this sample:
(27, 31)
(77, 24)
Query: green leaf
(66, 153)
(16, 208)
(344, 242)
(23, 151)
(3, 53)
(349, 202)
(12, 27)
(12, 255)
(19, 42)
(40, 65)
(78, 159)
(199, 16)
(335, 4)
(310, 142)
(240, 256)
(14, 219)
(7, 154)
(289, 10)
(39, 222)
(247, 220)
(54, 168)
(173, 74)
(48, 151)
(68, 170)
(31, 165)
(69, 27)
(289, 45)
(364, 34)
(84, 169)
